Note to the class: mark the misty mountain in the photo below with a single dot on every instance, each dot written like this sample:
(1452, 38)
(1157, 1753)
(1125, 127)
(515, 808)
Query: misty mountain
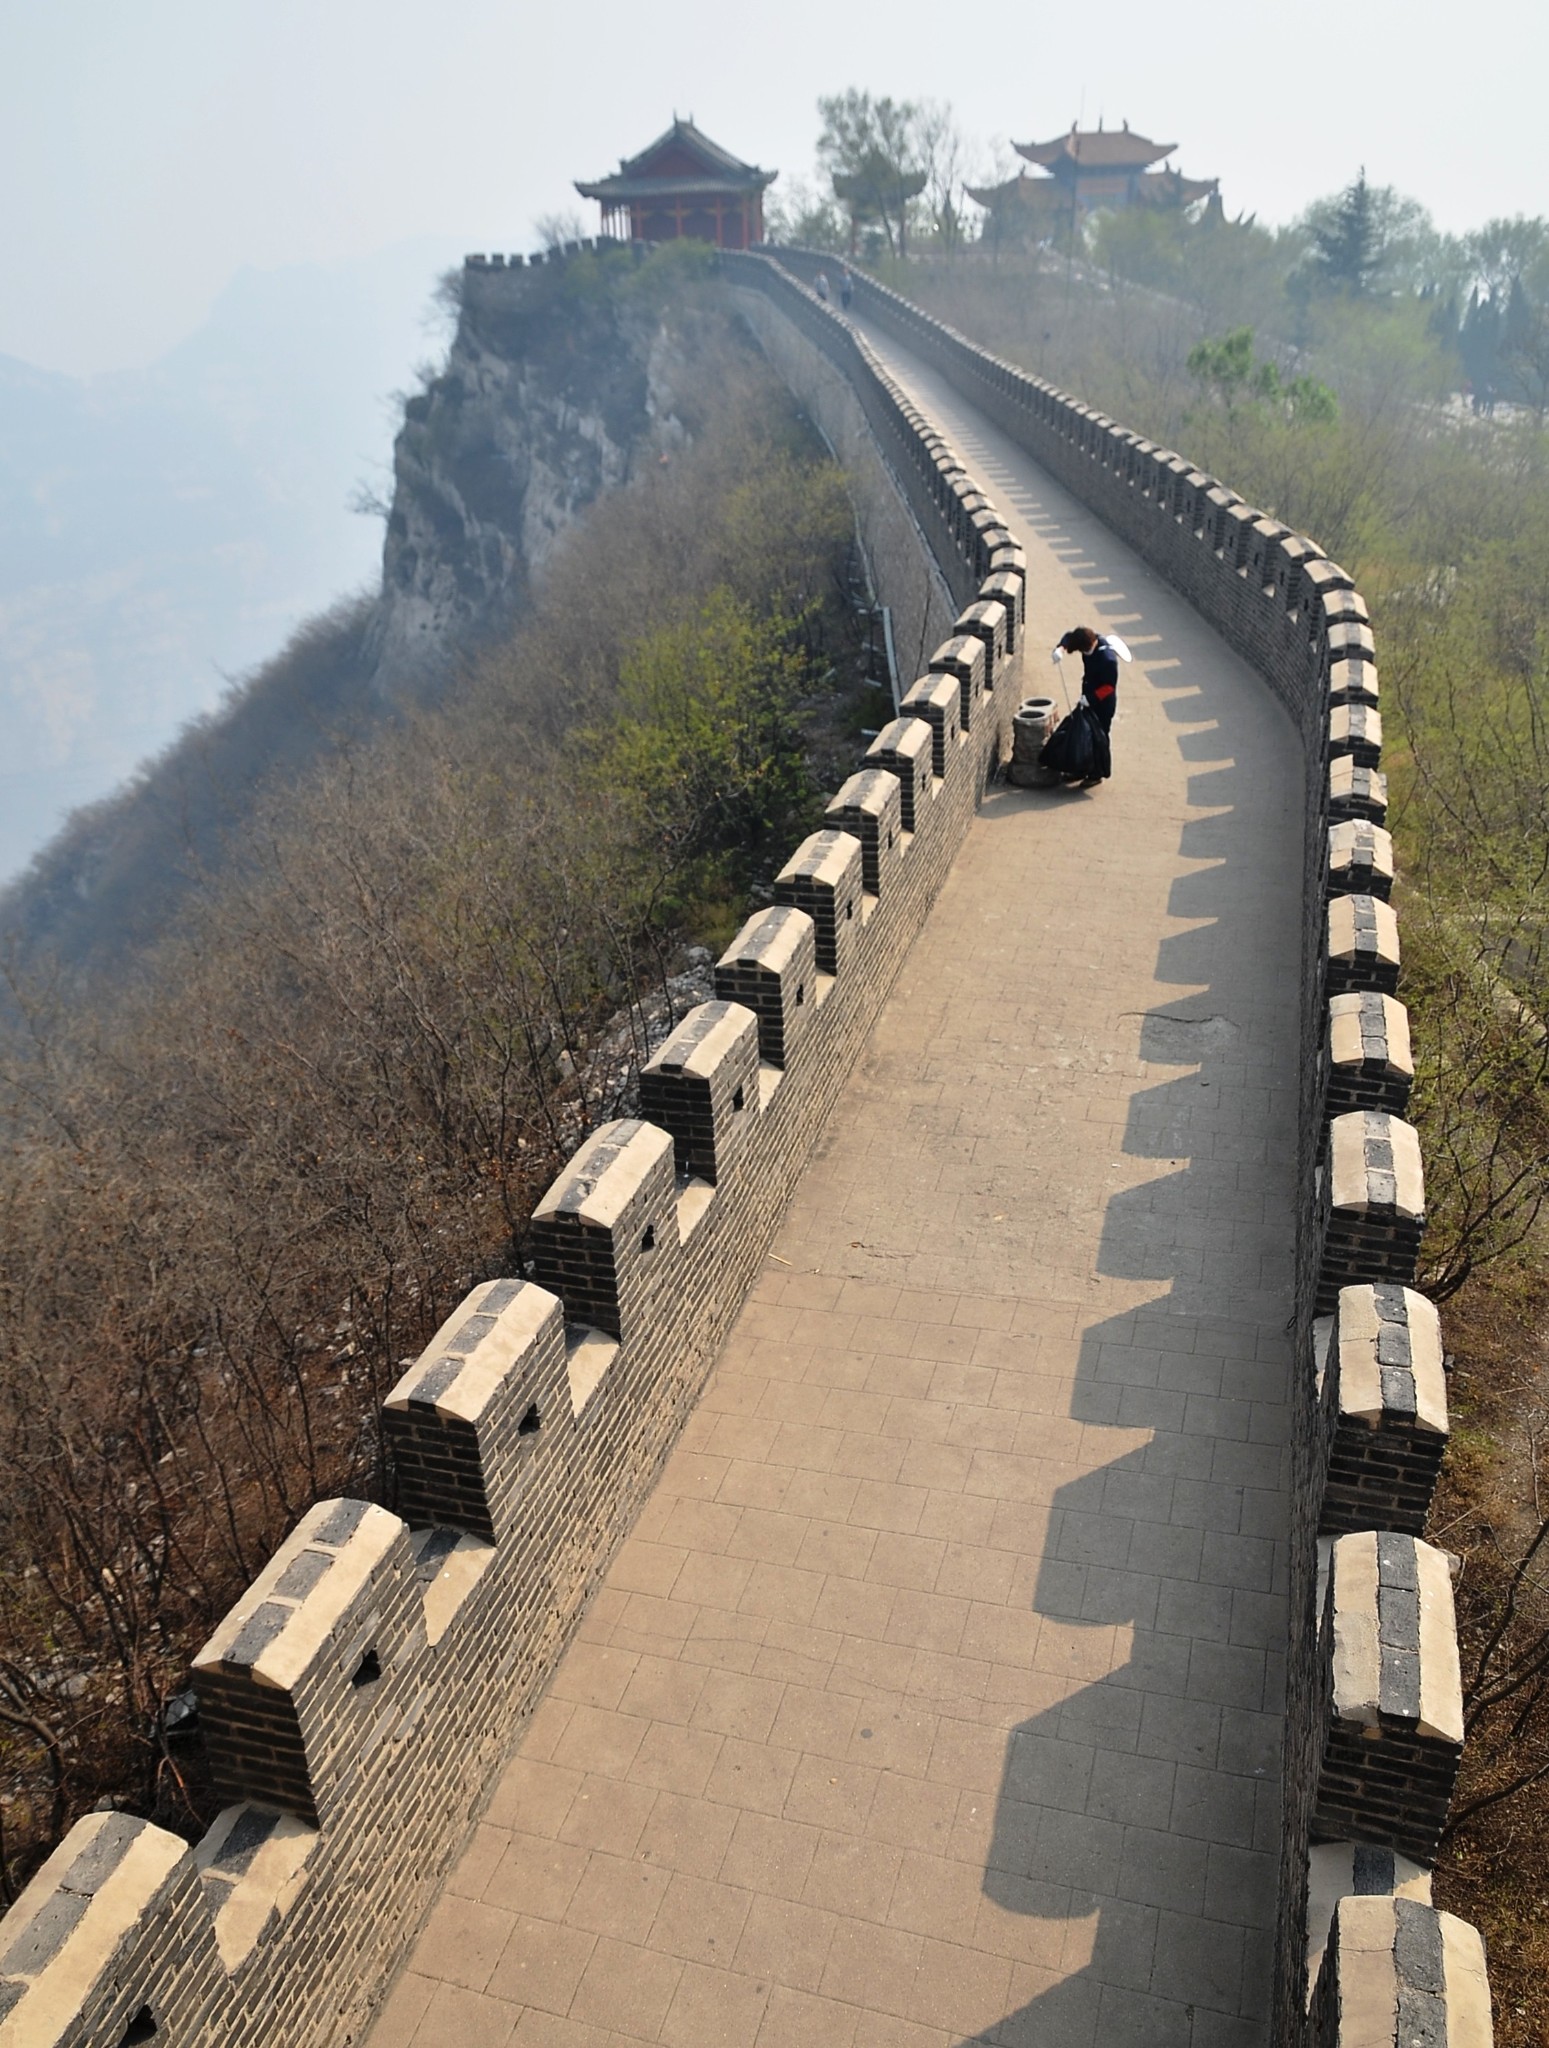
(162, 530)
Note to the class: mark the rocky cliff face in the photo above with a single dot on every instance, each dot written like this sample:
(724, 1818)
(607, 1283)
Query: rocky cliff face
(559, 382)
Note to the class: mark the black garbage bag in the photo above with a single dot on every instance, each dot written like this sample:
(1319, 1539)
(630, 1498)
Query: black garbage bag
(1078, 747)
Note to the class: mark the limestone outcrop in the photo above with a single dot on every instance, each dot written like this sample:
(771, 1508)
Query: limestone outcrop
(556, 388)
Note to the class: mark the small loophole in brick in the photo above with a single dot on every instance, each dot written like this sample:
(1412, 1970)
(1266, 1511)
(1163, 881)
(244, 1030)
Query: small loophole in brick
(801, 993)
(648, 1242)
(739, 1099)
(528, 1426)
(368, 1670)
(142, 2027)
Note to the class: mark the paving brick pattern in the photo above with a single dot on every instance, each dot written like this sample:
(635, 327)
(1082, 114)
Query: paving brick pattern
(935, 1698)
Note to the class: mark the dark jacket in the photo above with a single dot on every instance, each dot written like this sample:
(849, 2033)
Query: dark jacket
(1100, 681)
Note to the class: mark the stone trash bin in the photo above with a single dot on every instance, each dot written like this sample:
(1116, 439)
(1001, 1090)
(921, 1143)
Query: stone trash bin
(1036, 718)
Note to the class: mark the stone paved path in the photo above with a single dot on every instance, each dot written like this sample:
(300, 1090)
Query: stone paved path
(934, 1699)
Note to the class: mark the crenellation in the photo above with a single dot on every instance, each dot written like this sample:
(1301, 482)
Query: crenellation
(110, 1932)
(1009, 590)
(1367, 1061)
(965, 658)
(1363, 949)
(1237, 537)
(1371, 1203)
(1390, 1693)
(1264, 537)
(1397, 1973)
(1321, 577)
(701, 1084)
(605, 1236)
(937, 699)
(1352, 682)
(1360, 859)
(461, 1424)
(1008, 567)
(294, 1683)
(869, 806)
(823, 878)
(1356, 792)
(771, 966)
(904, 749)
(1348, 640)
(989, 623)
(1217, 516)
(1287, 560)
(1384, 1411)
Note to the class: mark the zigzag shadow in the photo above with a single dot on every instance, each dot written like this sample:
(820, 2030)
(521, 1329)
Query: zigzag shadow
(1145, 1802)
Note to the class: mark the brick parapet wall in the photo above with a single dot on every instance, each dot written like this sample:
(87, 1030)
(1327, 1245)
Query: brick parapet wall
(1297, 619)
(358, 1700)
(280, 1929)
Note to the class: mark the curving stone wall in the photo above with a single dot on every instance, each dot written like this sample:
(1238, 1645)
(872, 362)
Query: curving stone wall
(359, 1694)
(1374, 1696)
(358, 1697)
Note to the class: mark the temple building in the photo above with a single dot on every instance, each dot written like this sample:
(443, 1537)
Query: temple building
(683, 184)
(1084, 170)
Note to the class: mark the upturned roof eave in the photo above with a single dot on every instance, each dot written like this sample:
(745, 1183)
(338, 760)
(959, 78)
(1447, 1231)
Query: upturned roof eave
(695, 138)
(1059, 152)
(622, 188)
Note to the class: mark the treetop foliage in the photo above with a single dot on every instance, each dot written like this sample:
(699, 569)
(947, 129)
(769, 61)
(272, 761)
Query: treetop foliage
(1346, 245)
(1228, 368)
(895, 171)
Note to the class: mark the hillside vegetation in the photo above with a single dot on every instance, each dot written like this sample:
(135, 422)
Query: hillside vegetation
(241, 1194)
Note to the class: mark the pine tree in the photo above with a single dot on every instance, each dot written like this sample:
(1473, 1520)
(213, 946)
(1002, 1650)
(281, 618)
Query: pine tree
(1479, 342)
(1348, 245)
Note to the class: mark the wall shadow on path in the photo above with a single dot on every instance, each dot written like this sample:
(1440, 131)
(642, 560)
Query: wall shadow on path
(1150, 1796)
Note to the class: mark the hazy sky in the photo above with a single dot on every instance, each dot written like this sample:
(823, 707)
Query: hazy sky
(150, 149)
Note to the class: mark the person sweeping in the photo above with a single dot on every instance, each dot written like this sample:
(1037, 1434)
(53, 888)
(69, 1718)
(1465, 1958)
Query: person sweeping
(1100, 658)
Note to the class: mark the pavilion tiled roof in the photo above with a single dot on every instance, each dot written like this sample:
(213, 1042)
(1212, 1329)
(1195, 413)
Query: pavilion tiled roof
(1096, 149)
(1021, 191)
(722, 171)
(1172, 188)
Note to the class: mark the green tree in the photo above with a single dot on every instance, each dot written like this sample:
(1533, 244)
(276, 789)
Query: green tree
(1369, 240)
(1347, 247)
(1229, 369)
(703, 753)
(871, 148)
(1504, 252)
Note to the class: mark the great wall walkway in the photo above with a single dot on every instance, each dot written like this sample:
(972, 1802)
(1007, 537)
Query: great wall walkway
(935, 1697)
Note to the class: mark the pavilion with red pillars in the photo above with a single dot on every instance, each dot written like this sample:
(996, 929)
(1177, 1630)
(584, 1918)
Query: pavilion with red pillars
(683, 185)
